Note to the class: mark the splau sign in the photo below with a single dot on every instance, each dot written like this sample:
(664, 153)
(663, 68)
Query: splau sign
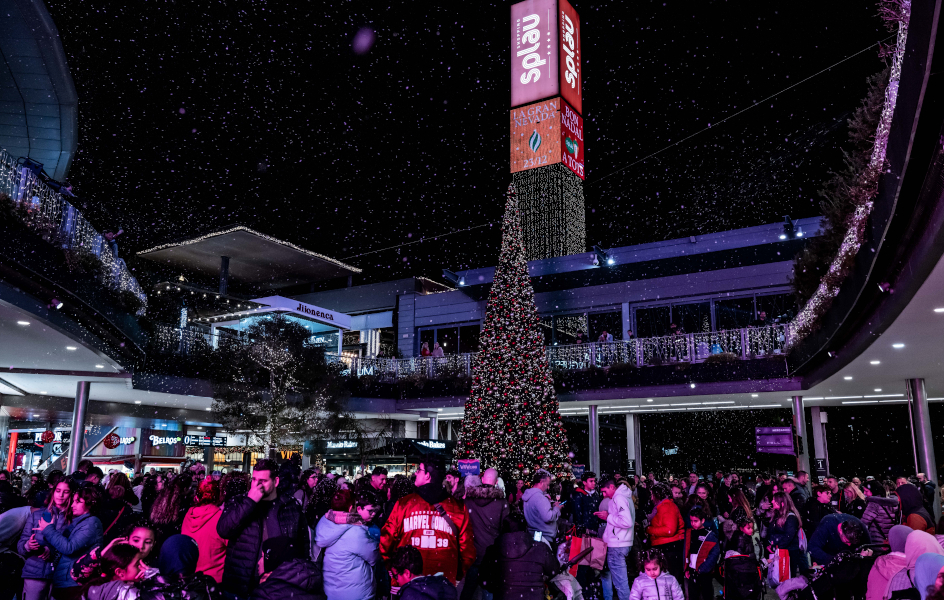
(545, 133)
(545, 52)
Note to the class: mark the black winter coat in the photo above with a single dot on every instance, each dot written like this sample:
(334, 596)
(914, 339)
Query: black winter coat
(584, 506)
(432, 587)
(241, 523)
(516, 567)
(742, 578)
(844, 578)
(487, 509)
(195, 587)
(295, 579)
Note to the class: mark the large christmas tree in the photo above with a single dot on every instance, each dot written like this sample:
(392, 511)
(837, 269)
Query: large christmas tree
(511, 417)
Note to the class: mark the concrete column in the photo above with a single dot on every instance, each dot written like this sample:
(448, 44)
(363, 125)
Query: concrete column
(433, 425)
(4, 438)
(449, 430)
(77, 441)
(921, 434)
(409, 429)
(594, 420)
(820, 452)
(799, 424)
(340, 341)
(224, 274)
(627, 322)
(632, 444)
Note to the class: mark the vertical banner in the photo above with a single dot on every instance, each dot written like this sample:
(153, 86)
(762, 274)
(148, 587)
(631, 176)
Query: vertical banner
(572, 139)
(11, 451)
(571, 73)
(534, 56)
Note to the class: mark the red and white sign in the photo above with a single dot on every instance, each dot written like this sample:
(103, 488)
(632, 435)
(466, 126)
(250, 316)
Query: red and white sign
(571, 139)
(545, 52)
(534, 56)
(571, 75)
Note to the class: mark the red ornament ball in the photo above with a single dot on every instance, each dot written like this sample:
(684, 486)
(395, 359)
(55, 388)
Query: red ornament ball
(112, 441)
(48, 436)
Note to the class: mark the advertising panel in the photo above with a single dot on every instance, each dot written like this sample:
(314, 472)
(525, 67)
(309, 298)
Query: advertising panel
(127, 438)
(160, 442)
(534, 56)
(571, 74)
(535, 135)
(572, 139)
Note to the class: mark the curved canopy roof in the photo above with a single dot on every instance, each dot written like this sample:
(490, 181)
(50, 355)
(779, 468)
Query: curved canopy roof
(38, 102)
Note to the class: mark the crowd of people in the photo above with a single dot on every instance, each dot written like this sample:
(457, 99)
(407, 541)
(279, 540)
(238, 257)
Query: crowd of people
(282, 533)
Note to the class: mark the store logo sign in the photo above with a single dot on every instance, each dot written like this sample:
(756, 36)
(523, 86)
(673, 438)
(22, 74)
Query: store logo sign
(159, 440)
(336, 445)
(437, 445)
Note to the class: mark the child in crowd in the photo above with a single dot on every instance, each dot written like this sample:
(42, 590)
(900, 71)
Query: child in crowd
(703, 551)
(654, 581)
(113, 575)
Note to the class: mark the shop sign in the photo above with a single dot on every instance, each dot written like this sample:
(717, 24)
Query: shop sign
(578, 471)
(432, 444)
(204, 440)
(161, 440)
(774, 440)
(338, 445)
(38, 437)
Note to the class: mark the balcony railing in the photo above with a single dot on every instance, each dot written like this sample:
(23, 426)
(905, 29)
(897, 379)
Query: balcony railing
(744, 344)
(64, 224)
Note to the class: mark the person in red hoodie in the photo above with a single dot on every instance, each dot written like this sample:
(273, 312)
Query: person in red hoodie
(200, 524)
(432, 522)
(667, 530)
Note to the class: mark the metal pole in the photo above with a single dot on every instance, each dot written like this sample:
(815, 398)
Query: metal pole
(224, 274)
(594, 439)
(921, 432)
(631, 443)
(77, 441)
(637, 435)
(340, 342)
(433, 425)
(819, 443)
(799, 423)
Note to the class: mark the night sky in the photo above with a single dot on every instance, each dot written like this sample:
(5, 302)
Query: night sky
(197, 115)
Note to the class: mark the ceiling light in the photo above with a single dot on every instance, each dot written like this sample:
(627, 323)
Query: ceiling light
(753, 395)
(208, 408)
(875, 362)
(137, 402)
(99, 366)
(691, 385)
(42, 392)
(939, 310)
(898, 345)
(848, 377)
(648, 399)
(878, 389)
(35, 416)
(71, 348)
(24, 323)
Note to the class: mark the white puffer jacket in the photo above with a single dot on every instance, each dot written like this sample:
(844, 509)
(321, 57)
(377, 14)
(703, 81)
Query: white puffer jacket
(664, 587)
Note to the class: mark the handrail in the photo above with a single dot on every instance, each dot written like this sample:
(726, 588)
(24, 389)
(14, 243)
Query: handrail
(70, 228)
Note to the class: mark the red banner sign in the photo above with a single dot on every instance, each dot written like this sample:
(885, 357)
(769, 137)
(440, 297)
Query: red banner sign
(572, 139)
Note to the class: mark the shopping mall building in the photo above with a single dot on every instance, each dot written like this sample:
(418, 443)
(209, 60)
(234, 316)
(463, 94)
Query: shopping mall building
(75, 357)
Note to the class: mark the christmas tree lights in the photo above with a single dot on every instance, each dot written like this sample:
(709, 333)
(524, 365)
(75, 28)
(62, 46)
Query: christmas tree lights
(551, 205)
(511, 417)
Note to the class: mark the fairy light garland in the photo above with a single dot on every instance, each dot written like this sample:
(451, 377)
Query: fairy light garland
(551, 206)
(807, 320)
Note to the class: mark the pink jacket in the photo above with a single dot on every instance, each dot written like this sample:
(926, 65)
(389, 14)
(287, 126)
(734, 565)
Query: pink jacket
(200, 524)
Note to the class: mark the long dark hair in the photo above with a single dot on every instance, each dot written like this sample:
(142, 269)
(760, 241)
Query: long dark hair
(167, 507)
(51, 502)
(786, 508)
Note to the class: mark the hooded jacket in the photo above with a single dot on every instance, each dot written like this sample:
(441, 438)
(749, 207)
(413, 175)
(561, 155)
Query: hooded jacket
(917, 544)
(487, 509)
(926, 569)
(75, 539)
(241, 524)
(621, 520)
(415, 521)
(515, 567)
(880, 515)
(350, 555)
(35, 567)
(913, 513)
(430, 587)
(200, 524)
(663, 587)
(667, 525)
(585, 504)
(539, 513)
(884, 568)
(294, 579)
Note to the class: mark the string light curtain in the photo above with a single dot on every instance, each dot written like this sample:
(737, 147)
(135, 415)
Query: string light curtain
(551, 203)
(511, 417)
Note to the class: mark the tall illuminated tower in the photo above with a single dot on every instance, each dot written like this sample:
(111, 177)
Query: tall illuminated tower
(547, 142)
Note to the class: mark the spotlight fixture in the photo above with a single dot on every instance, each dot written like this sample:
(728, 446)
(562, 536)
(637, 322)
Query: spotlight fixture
(601, 257)
(898, 346)
(830, 354)
(691, 385)
(886, 288)
(55, 303)
(787, 232)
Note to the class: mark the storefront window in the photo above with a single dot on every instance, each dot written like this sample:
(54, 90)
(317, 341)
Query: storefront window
(568, 326)
(692, 318)
(611, 322)
(448, 339)
(779, 307)
(734, 313)
(652, 322)
(469, 338)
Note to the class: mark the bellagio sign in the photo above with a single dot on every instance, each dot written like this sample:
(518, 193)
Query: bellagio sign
(545, 52)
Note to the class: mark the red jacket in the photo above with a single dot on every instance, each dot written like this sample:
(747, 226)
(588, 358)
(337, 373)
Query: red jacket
(415, 522)
(667, 525)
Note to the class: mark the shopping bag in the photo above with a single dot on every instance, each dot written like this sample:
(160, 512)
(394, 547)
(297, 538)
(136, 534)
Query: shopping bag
(778, 568)
(597, 557)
